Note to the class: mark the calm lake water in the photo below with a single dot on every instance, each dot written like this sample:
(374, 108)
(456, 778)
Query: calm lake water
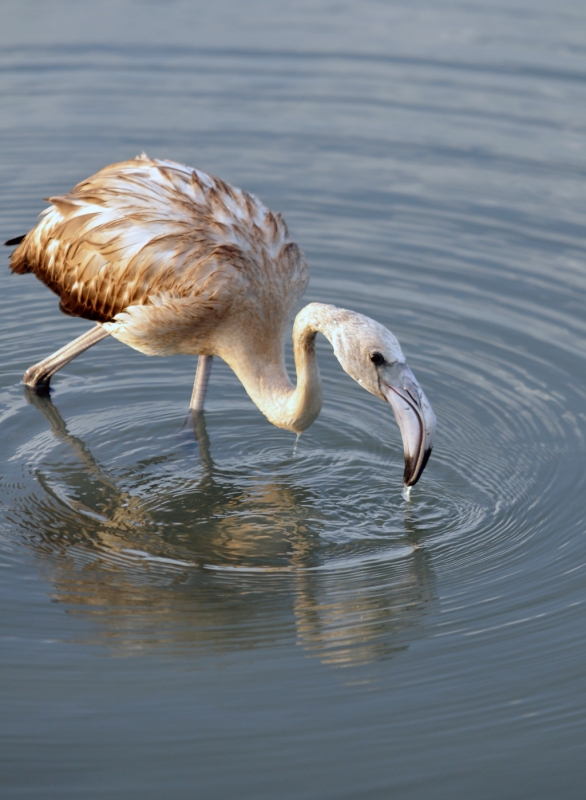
(237, 620)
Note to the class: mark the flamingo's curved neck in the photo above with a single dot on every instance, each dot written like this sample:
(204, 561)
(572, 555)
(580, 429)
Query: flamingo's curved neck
(261, 369)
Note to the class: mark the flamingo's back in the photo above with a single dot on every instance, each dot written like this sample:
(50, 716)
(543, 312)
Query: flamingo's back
(146, 239)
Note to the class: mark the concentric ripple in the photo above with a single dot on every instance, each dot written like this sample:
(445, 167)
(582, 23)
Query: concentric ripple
(235, 533)
(144, 520)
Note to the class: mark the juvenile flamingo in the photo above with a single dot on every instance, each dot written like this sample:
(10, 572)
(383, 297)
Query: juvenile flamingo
(168, 259)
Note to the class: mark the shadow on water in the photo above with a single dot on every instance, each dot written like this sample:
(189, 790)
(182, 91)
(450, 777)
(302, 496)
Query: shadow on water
(217, 560)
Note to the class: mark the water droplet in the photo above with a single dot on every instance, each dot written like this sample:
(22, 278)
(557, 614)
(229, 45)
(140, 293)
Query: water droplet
(406, 493)
(295, 445)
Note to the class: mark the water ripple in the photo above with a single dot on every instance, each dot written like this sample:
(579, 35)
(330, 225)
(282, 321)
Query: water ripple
(231, 535)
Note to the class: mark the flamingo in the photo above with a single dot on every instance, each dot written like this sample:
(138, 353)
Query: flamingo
(169, 259)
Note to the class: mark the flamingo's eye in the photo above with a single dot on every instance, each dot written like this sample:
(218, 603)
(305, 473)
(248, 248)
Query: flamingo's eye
(377, 358)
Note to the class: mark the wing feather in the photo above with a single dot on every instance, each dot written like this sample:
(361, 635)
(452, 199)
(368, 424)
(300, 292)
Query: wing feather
(166, 238)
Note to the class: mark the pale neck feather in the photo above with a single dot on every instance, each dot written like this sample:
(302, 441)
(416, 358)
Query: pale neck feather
(260, 366)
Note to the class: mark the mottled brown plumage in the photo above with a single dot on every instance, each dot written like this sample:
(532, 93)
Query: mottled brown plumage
(170, 238)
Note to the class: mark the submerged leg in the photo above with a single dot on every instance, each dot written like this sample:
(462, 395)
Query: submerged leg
(39, 375)
(202, 376)
(202, 438)
(43, 403)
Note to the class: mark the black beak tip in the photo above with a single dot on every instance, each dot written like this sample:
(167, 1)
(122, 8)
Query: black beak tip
(412, 474)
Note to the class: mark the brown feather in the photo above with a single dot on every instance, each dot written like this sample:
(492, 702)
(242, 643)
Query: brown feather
(149, 233)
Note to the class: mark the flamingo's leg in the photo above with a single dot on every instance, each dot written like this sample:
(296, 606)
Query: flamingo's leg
(202, 376)
(39, 375)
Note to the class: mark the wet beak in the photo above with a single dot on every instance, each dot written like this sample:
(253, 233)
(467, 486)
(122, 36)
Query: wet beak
(414, 417)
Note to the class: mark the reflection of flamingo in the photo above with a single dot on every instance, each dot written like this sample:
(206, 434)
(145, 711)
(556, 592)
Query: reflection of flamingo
(170, 260)
(242, 562)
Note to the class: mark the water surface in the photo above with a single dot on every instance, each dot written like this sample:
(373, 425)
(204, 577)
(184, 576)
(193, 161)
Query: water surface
(214, 613)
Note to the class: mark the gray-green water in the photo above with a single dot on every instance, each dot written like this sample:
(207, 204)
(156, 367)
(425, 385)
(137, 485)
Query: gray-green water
(250, 622)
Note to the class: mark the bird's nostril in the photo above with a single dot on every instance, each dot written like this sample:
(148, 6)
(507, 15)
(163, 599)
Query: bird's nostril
(412, 393)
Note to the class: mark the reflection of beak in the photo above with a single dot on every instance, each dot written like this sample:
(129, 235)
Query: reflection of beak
(414, 417)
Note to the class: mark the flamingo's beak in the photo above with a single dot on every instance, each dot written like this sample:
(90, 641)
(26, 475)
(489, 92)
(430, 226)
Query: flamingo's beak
(414, 417)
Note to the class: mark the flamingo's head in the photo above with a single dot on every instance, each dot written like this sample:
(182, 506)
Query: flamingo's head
(371, 355)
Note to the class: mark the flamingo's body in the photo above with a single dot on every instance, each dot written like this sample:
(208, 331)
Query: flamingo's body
(169, 260)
